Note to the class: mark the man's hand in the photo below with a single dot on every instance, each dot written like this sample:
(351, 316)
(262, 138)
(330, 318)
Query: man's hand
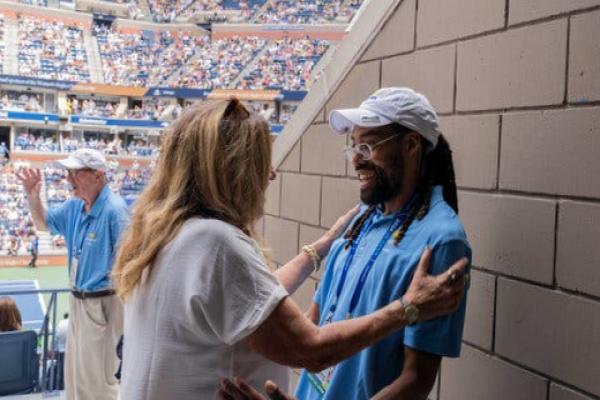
(240, 390)
(439, 295)
(31, 180)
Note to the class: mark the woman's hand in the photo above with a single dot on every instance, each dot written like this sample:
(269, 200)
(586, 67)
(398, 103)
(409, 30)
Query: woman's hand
(439, 295)
(323, 244)
(240, 390)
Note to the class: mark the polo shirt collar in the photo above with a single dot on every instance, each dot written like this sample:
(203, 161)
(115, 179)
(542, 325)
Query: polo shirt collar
(100, 201)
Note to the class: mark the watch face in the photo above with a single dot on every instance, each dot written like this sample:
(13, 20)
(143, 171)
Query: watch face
(412, 314)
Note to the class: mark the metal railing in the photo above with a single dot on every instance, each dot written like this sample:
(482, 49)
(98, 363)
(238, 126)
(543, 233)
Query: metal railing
(49, 355)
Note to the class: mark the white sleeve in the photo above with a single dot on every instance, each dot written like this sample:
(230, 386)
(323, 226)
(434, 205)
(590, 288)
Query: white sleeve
(241, 293)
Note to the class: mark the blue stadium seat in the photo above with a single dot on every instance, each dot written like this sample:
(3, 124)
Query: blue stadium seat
(18, 362)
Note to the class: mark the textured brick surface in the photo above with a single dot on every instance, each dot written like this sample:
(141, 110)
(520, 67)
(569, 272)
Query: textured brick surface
(526, 10)
(300, 197)
(397, 36)
(339, 195)
(282, 238)
(551, 332)
(322, 151)
(430, 72)
(360, 83)
(442, 20)
(511, 235)
(521, 67)
(479, 322)
(477, 376)
(584, 62)
(272, 196)
(552, 152)
(291, 163)
(558, 392)
(578, 253)
(474, 142)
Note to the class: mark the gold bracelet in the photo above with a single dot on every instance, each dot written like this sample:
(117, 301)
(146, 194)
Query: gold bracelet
(312, 253)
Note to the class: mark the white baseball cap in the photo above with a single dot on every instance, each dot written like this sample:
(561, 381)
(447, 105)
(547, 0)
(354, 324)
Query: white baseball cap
(398, 105)
(83, 158)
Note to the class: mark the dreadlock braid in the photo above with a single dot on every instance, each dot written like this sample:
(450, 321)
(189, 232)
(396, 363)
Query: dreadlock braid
(354, 231)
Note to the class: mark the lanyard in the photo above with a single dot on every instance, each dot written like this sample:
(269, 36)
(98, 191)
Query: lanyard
(83, 236)
(367, 268)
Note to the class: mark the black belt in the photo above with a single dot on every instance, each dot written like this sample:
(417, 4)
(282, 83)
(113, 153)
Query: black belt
(92, 295)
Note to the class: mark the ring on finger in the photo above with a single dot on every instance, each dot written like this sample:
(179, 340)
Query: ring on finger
(451, 276)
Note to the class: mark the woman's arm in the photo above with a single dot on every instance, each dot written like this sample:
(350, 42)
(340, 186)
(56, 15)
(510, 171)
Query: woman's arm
(288, 337)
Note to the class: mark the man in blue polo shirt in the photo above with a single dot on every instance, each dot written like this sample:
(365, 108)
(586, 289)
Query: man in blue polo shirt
(409, 202)
(91, 222)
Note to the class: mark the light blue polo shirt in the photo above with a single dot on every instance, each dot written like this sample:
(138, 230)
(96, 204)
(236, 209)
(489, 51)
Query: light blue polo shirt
(366, 373)
(91, 237)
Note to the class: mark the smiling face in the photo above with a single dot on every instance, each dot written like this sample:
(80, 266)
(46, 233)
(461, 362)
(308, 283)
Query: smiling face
(86, 183)
(381, 177)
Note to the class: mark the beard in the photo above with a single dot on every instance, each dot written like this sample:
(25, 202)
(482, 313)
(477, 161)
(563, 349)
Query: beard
(387, 182)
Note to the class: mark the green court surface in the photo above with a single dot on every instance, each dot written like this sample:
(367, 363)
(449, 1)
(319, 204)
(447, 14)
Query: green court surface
(47, 277)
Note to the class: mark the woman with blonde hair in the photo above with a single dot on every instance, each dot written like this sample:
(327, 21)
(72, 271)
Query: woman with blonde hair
(200, 302)
(10, 317)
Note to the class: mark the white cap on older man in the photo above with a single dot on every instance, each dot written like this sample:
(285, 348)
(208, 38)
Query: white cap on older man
(398, 105)
(83, 158)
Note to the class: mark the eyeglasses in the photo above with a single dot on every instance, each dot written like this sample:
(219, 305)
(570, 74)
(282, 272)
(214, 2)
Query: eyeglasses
(364, 150)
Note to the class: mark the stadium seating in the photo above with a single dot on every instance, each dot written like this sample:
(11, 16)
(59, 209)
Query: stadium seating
(308, 11)
(18, 362)
(286, 64)
(52, 49)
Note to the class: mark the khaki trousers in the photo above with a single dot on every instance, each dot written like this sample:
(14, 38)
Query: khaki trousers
(95, 326)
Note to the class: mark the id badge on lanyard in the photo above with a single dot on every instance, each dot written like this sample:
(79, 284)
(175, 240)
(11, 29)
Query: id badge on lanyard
(73, 272)
(321, 380)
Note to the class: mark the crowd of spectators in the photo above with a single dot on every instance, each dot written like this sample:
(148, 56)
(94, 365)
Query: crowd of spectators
(31, 142)
(2, 44)
(21, 101)
(51, 49)
(112, 145)
(155, 109)
(285, 64)
(308, 11)
(92, 107)
(144, 58)
(217, 64)
(16, 226)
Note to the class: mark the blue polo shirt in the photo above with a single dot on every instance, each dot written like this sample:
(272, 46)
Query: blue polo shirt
(91, 237)
(367, 372)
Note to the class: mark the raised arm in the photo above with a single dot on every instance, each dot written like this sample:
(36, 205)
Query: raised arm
(32, 182)
(288, 337)
(295, 272)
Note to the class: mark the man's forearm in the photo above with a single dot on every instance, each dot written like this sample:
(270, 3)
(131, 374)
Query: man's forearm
(406, 387)
(38, 213)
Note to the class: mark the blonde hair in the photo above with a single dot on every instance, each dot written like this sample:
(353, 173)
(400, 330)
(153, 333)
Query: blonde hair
(215, 163)
(10, 317)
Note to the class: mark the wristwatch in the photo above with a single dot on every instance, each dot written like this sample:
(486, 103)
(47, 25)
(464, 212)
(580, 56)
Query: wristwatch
(411, 313)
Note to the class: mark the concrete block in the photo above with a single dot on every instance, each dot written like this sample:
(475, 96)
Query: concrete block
(558, 392)
(549, 331)
(578, 253)
(303, 296)
(322, 151)
(552, 152)
(282, 238)
(272, 196)
(357, 86)
(521, 11)
(584, 58)
(397, 35)
(511, 235)
(430, 72)
(444, 20)
(479, 321)
(476, 375)
(339, 196)
(301, 197)
(291, 163)
(474, 142)
(521, 67)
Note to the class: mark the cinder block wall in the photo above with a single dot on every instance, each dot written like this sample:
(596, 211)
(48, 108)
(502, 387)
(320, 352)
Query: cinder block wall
(517, 86)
